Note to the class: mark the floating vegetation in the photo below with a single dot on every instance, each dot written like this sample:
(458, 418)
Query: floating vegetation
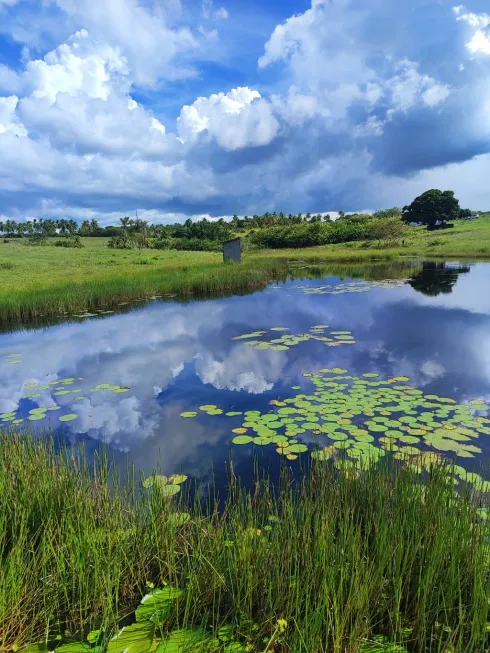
(166, 486)
(57, 388)
(68, 418)
(366, 417)
(288, 340)
(353, 286)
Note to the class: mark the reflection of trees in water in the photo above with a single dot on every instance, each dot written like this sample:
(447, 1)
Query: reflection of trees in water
(437, 278)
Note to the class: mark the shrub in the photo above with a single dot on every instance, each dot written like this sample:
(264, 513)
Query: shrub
(73, 241)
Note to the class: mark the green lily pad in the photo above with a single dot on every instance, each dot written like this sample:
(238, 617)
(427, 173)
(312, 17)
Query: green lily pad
(68, 418)
(297, 448)
(242, 439)
(177, 519)
(157, 480)
(189, 413)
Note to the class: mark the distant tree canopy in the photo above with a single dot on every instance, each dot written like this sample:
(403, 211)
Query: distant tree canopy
(432, 207)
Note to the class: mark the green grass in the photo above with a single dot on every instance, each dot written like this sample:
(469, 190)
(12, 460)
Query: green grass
(50, 281)
(340, 557)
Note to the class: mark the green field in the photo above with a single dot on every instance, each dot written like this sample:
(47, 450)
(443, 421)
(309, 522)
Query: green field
(38, 281)
(389, 556)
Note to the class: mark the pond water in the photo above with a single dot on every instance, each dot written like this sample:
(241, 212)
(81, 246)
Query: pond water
(405, 366)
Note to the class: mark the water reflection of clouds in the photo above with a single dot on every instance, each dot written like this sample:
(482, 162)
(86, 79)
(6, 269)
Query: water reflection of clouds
(170, 355)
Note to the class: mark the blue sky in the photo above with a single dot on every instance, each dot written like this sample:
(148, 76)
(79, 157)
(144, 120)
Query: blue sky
(181, 108)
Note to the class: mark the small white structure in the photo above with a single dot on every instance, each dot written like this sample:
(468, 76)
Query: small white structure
(473, 216)
(232, 250)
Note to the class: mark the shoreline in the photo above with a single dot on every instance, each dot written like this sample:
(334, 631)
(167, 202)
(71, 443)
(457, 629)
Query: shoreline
(27, 295)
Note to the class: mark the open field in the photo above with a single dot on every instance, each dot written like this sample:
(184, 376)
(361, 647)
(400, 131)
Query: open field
(49, 281)
(283, 569)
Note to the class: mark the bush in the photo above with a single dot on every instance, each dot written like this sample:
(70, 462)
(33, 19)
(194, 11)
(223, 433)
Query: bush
(38, 239)
(313, 234)
(195, 245)
(73, 241)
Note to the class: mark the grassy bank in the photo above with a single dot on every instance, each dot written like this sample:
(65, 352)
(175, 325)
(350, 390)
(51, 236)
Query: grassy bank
(49, 281)
(330, 564)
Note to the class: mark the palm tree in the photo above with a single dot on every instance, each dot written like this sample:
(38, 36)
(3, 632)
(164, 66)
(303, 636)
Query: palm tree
(125, 222)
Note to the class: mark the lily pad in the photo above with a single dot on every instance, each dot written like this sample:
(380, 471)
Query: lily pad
(242, 439)
(68, 418)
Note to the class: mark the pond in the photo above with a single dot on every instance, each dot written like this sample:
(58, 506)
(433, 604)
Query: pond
(333, 365)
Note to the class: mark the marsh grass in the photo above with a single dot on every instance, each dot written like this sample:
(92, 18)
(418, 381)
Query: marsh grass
(36, 282)
(339, 557)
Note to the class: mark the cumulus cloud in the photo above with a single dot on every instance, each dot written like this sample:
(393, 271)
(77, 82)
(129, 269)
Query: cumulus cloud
(480, 38)
(237, 119)
(347, 109)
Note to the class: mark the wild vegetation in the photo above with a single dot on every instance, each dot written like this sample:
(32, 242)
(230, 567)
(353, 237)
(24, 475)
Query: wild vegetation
(37, 282)
(270, 230)
(388, 556)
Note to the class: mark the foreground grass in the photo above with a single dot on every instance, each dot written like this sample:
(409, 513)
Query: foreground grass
(339, 558)
(49, 281)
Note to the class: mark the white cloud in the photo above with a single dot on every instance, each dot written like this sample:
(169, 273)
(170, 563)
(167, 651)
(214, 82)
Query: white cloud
(480, 40)
(222, 13)
(76, 67)
(237, 119)
(209, 12)
(408, 88)
(142, 35)
(8, 119)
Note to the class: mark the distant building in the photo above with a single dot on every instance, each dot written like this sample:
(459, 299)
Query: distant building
(232, 250)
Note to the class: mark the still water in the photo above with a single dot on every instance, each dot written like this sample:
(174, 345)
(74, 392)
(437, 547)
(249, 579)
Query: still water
(124, 379)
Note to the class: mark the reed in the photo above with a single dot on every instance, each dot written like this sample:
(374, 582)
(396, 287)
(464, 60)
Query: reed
(325, 562)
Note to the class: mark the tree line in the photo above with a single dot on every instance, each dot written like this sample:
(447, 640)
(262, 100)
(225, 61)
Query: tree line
(434, 208)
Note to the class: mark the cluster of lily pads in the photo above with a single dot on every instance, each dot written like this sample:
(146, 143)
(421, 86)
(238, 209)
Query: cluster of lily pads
(287, 340)
(353, 286)
(365, 417)
(168, 486)
(12, 359)
(57, 388)
(96, 311)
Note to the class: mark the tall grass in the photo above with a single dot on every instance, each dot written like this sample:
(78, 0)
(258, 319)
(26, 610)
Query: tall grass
(339, 557)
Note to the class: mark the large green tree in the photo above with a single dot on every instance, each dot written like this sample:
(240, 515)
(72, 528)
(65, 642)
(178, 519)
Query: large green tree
(432, 206)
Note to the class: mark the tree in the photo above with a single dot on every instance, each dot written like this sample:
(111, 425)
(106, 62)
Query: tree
(432, 207)
(386, 230)
(85, 229)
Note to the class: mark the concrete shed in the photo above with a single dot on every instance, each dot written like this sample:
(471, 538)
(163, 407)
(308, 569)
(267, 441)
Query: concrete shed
(232, 250)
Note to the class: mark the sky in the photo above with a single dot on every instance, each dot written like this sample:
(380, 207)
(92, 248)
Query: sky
(178, 108)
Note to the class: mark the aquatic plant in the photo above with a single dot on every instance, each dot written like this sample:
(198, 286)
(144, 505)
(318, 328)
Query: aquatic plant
(333, 561)
(57, 388)
(288, 340)
(367, 417)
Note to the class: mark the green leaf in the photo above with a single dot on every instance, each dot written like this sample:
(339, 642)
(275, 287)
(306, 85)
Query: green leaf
(177, 519)
(41, 647)
(234, 647)
(157, 605)
(158, 480)
(190, 640)
(74, 647)
(94, 636)
(136, 638)
(225, 633)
